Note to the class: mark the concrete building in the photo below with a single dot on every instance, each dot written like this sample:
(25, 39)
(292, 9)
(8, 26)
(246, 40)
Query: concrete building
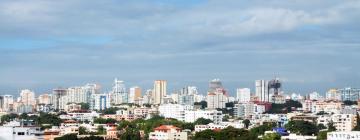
(261, 90)
(44, 99)
(344, 122)
(134, 94)
(217, 99)
(333, 94)
(175, 111)
(6, 103)
(349, 94)
(159, 91)
(214, 115)
(168, 132)
(243, 95)
(99, 102)
(119, 94)
(344, 135)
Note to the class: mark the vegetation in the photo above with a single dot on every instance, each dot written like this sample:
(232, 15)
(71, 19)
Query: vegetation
(347, 102)
(284, 108)
(8, 117)
(357, 127)
(260, 130)
(246, 123)
(202, 121)
(111, 110)
(229, 133)
(101, 130)
(302, 127)
(272, 136)
(104, 121)
(74, 137)
(203, 104)
(85, 106)
(83, 131)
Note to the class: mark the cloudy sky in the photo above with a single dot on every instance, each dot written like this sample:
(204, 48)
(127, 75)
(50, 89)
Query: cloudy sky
(311, 45)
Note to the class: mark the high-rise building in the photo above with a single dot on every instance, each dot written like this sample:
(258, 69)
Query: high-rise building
(119, 94)
(261, 90)
(6, 103)
(243, 95)
(57, 94)
(44, 99)
(333, 94)
(99, 102)
(27, 97)
(217, 99)
(134, 94)
(159, 91)
(349, 94)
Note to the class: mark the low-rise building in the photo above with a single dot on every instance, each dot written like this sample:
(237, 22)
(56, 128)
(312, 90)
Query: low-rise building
(168, 132)
(345, 135)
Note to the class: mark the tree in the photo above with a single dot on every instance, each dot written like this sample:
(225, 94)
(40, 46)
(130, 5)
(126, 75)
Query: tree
(104, 121)
(130, 134)
(322, 135)
(85, 106)
(331, 126)
(271, 136)
(101, 130)
(92, 137)
(284, 108)
(246, 123)
(205, 135)
(202, 121)
(67, 137)
(321, 126)
(8, 117)
(82, 130)
(203, 104)
(111, 110)
(348, 103)
(260, 130)
(302, 127)
(226, 118)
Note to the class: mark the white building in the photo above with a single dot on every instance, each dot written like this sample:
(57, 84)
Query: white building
(134, 94)
(217, 99)
(100, 101)
(214, 115)
(27, 97)
(167, 132)
(175, 111)
(344, 122)
(119, 94)
(6, 103)
(346, 135)
(159, 91)
(243, 95)
(261, 90)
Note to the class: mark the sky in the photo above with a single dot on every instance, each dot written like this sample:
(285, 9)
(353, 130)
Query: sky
(310, 45)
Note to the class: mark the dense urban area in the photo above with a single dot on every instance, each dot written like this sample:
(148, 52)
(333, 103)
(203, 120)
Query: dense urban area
(84, 113)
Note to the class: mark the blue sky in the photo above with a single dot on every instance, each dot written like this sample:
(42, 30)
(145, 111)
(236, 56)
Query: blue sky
(311, 46)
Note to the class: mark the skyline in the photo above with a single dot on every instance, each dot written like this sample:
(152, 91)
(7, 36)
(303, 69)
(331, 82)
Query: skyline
(311, 46)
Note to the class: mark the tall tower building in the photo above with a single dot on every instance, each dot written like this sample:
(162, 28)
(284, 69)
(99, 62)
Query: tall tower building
(215, 84)
(261, 90)
(243, 95)
(159, 91)
(6, 102)
(134, 94)
(119, 94)
(27, 97)
(56, 97)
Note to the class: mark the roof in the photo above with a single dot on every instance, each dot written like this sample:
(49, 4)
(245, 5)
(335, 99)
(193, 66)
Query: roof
(167, 127)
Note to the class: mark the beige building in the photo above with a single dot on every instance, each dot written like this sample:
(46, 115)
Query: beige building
(167, 132)
(159, 91)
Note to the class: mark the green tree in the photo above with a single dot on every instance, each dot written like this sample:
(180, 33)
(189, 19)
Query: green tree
(85, 106)
(83, 130)
(101, 130)
(321, 126)
(302, 127)
(271, 136)
(130, 134)
(111, 110)
(322, 135)
(260, 130)
(331, 126)
(246, 122)
(202, 121)
(205, 135)
(67, 137)
(203, 104)
(348, 103)
(8, 117)
(92, 137)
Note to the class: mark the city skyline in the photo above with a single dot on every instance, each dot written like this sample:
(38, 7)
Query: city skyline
(311, 46)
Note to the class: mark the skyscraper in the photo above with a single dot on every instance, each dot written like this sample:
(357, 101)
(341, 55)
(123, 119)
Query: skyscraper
(243, 95)
(159, 91)
(119, 94)
(27, 97)
(214, 84)
(261, 90)
(134, 94)
(56, 97)
(6, 102)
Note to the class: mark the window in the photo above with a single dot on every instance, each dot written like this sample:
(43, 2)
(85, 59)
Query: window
(21, 133)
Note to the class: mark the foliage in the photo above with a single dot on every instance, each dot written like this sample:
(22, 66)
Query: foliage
(202, 121)
(226, 118)
(92, 138)
(331, 126)
(104, 121)
(321, 113)
(302, 127)
(272, 136)
(130, 134)
(203, 104)
(46, 118)
(321, 126)
(83, 131)
(8, 117)
(101, 130)
(67, 137)
(260, 130)
(229, 133)
(348, 103)
(322, 135)
(284, 108)
(111, 110)
(246, 123)
(85, 106)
